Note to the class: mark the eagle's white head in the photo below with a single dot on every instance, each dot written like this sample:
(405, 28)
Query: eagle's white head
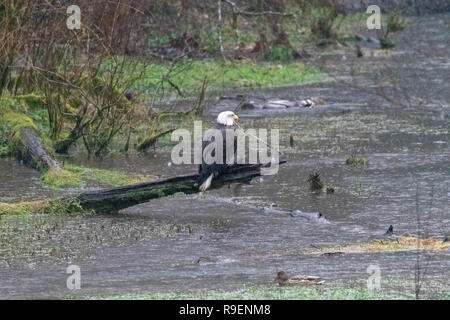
(227, 118)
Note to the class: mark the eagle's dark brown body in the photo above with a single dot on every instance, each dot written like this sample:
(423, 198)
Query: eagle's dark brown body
(209, 171)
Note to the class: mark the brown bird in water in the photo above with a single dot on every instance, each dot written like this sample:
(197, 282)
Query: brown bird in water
(299, 280)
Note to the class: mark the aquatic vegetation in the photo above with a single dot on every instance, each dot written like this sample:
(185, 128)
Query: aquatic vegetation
(329, 188)
(401, 243)
(41, 207)
(20, 208)
(61, 179)
(395, 23)
(355, 161)
(108, 177)
(318, 184)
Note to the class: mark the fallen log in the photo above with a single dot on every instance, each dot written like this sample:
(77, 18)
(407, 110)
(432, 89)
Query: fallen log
(32, 151)
(25, 143)
(115, 199)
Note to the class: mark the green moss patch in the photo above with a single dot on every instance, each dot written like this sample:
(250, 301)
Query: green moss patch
(61, 179)
(108, 177)
(355, 161)
(73, 176)
(16, 120)
(12, 122)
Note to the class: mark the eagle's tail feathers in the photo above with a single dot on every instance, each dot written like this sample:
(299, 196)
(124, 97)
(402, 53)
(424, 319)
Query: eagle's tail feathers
(205, 185)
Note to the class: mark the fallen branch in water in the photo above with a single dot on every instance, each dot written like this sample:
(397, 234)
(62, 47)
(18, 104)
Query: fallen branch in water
(114, 199)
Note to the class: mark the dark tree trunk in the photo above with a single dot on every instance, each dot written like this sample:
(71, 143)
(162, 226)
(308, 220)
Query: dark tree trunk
(115, 199)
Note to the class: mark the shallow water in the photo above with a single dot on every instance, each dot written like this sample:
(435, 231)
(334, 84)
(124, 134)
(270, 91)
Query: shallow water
(222, 240)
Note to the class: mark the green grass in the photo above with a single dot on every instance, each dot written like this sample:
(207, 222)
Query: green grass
(267, 293)
(107, 177)
(61, 179)
(189, 75)
(54, 207)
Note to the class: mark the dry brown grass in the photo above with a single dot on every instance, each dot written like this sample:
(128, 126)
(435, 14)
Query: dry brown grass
(23, 207)
(402, 243)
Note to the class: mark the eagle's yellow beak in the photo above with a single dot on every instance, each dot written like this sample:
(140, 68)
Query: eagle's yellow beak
(235, 117)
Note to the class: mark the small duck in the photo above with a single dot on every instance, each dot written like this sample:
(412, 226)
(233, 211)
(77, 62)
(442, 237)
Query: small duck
(299, 280)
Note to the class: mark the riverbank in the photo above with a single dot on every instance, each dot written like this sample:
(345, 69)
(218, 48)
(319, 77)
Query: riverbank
(328, 292)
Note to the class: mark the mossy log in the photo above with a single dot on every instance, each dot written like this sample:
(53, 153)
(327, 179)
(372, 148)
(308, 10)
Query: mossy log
(32, 151)
(115, 199)
(25, 143)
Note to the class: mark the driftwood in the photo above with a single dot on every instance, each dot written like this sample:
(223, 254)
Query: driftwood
(115, 199)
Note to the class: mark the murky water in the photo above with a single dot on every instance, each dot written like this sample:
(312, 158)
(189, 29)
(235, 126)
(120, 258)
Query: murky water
(221, 240)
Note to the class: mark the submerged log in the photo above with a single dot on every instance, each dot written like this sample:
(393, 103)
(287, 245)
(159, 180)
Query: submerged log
(115, 199)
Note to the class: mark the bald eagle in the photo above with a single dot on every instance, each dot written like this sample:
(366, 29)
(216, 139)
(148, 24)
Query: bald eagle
(208, 171)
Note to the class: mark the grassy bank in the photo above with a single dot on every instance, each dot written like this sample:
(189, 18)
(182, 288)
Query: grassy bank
(397, 244)
(189, 75)
(106, 177)
(333, 292)
(78, 176)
